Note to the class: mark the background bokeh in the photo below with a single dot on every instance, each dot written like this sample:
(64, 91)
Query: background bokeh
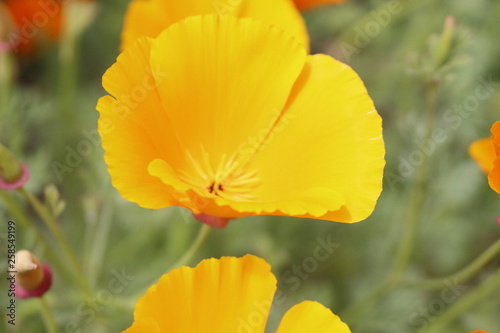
(389, 50)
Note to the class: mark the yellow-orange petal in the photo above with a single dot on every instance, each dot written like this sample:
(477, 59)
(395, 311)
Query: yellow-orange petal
(329, 139)
(311, 317)
(151, 17)
(483, 151)
(135, 129)
(227, 81)
(494, 175)
(309, 4)
(281, 13)
(226, 295)
(495, 131)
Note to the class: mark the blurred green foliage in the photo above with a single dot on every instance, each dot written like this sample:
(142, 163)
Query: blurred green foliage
(456, 224)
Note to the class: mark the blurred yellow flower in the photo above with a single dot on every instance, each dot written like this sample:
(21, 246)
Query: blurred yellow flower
(308, 4)
(150, 17)
(229, 117)
(224, 295)
(487, 153)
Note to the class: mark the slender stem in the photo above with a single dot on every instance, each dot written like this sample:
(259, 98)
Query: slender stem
(188, 255)
(415, 208)
(67, 85)
(19, 216)
(483, 291)
(48, 316)
(464, 274)
(53, 226)
(5, 84)
(418, 192)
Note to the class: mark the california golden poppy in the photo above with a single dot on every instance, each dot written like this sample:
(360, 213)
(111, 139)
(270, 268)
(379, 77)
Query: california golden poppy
(487, 153)
(224, 295)
(309, 4)
(150, 17)
(230, 117)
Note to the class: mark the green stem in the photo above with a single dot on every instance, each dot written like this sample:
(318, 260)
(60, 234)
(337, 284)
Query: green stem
(19, 216)
(54, 228)
(418, 193)
(48, 316)
(5, 84)
(188, 255)
(464, 274)
(483, 291)
(416, 207)
(68, 85)
(349, 35)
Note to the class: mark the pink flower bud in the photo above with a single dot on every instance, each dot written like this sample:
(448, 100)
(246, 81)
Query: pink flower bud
(23, 178)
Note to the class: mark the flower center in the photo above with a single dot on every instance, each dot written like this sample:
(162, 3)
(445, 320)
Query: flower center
(229, 180)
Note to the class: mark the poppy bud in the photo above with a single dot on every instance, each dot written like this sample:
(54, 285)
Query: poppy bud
(13, 175)
(33, 278)
(78, 15)
(442, 51)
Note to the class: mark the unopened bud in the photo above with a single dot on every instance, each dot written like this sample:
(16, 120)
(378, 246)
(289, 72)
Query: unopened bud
(33, 278)
(78, 15)
(53, 200)
(443, 50)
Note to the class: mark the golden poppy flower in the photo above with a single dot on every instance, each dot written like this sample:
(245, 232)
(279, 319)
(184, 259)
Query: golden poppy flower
(224, 295)
(309, 4)
(483, 151)
(150, 17)
(229, 117)
(487, 153)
